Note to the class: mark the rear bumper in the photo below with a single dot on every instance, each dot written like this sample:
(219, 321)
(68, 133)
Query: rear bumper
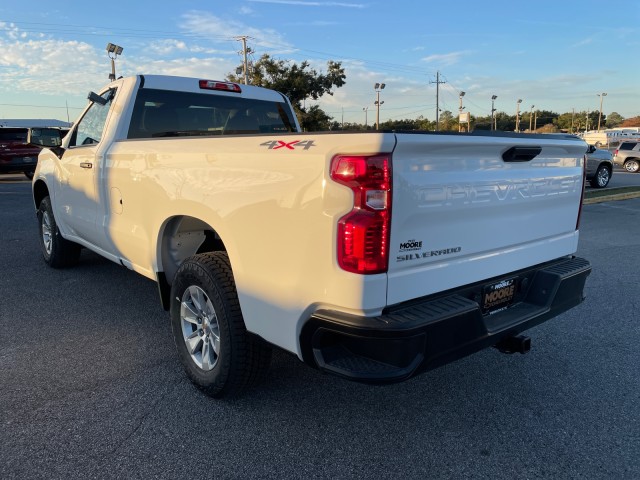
(411, 338)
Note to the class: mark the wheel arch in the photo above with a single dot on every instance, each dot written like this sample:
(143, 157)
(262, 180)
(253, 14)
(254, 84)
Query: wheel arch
(40, 191)
(179, 238)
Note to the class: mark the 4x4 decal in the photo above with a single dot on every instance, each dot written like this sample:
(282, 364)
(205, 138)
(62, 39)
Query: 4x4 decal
(277, 144)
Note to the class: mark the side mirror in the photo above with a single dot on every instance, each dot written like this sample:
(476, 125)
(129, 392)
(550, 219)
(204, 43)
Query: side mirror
(591, 149)
(95, 98)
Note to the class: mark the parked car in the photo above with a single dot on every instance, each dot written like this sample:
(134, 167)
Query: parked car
(599, 167)
(627, 155)
(20, 146)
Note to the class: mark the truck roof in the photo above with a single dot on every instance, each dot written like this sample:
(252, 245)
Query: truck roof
(193, 84)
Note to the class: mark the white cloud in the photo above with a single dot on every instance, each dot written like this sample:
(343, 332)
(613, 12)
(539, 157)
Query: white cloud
(216, 28)
(446, 59)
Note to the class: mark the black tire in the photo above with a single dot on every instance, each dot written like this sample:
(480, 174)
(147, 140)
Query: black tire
(601, 178)
(30, 174)
(632, 165)
(205, 311)
(57, 252)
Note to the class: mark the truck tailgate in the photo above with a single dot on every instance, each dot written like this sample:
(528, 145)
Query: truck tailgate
(467, 208)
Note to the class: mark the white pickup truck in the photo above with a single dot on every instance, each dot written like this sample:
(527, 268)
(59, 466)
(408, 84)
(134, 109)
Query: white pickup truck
(372, 256)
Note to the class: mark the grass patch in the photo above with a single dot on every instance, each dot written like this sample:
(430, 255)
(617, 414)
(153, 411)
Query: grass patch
(606, 192)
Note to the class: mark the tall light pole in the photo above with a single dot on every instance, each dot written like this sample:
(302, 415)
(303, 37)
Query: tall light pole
(493, 110)
(377, 87)
(366, 123)
(601, 95)
(460, 112)
(113, 51)
(531, 119)
(518, 114)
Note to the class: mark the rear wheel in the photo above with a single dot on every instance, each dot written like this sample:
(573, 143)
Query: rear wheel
(601, 178)
(632, 165)
(217, 353)
(57, 251)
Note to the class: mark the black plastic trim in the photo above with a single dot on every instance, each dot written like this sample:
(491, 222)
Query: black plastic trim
(417, 336)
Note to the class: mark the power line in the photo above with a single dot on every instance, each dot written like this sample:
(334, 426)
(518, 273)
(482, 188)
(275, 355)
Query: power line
(36, 106)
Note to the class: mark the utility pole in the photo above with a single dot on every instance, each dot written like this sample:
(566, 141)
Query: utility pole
(460, 112)
(245, 65)
(531, 119)
(493, 114)
(573, 114)
(601, 95)
(377, 87)
(586, 125)
(437, 82)
(535, 120)
(518, 115)
(366, 123)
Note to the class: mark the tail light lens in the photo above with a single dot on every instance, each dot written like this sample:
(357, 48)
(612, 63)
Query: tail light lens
(363, 233)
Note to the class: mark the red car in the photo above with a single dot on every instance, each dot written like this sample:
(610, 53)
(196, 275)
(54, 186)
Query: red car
(20, 146)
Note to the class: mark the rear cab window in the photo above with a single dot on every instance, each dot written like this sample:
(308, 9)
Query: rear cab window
(166, 113)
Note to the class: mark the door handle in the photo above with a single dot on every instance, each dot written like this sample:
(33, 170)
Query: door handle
(521, 154)
(86, 165)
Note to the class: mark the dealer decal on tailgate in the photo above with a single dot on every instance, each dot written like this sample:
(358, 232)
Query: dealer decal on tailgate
(296, 144)
(498, 296)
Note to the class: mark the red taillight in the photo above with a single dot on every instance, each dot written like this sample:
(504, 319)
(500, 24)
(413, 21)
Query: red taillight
(224, 86)
(363, 233)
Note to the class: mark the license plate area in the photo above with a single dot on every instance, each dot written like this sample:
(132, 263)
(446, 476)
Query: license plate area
(498, 296)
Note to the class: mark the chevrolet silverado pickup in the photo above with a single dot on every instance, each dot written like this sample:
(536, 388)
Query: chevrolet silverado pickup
(373, 256)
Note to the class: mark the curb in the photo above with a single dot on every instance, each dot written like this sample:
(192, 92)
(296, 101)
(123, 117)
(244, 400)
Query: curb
(611, 198)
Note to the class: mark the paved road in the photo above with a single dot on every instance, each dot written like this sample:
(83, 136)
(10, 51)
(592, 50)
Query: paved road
(91, 386)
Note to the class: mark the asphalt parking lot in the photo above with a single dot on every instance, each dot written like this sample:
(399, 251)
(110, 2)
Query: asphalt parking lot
(92, 388)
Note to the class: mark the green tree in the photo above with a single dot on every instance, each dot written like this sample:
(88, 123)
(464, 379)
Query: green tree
(614, 119)
(299, 83)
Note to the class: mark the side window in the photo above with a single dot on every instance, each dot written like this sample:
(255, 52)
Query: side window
(90, 127)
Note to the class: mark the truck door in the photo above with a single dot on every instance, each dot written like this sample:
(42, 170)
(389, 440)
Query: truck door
(78, 194)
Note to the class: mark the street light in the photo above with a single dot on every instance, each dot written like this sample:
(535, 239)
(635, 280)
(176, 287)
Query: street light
(460, 112)
(518, 114)
(377, 87)
(493, 99)
(113, 51)
(531, 119)
(366, 124)
(601, 95)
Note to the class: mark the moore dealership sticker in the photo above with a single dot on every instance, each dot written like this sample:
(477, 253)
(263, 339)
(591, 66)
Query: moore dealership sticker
(498, 296)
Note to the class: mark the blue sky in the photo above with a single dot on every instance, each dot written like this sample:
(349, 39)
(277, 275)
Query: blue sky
(556, 55)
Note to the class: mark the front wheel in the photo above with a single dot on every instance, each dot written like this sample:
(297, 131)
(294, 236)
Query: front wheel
(213, 345)
(601, 178)
(632, 165)
(57, 251)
